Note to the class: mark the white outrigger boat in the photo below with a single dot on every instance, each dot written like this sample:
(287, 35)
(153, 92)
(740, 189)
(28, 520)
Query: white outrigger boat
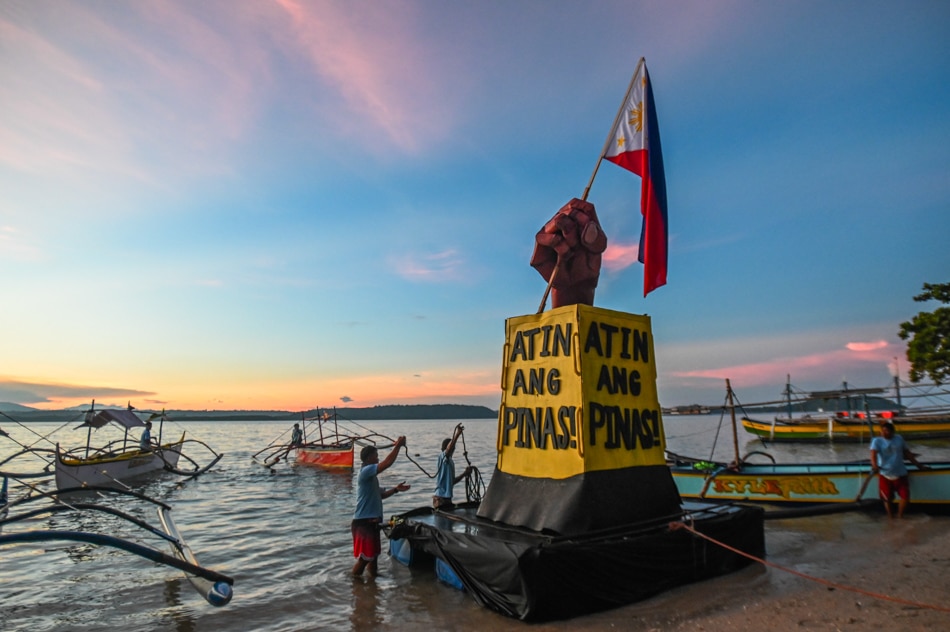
(122, 460)
(23, 502)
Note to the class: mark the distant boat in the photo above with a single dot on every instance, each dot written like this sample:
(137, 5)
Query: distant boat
(687, 410)
(332, 449)
(853, 421)
(327, 441)
(839, 428)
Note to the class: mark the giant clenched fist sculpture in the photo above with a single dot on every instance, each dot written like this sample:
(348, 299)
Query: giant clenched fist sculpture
(567, 253)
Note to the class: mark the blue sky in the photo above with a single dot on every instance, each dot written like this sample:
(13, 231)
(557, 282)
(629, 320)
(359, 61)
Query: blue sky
(290, 204)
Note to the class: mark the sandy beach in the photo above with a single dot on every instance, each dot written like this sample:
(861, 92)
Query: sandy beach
(870, 573)
(906, 560)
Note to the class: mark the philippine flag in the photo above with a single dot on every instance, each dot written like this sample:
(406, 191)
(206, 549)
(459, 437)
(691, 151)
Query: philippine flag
(635, 145)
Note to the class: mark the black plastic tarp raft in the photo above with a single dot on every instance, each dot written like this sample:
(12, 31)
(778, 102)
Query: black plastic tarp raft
(535, 576)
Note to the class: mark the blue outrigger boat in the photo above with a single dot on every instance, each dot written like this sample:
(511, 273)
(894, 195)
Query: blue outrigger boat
(843, 485)
(833, 486)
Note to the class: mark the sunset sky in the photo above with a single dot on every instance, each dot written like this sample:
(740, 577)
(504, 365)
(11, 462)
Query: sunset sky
(288, 204)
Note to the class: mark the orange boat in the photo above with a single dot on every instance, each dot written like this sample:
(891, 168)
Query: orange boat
(331, 444)
(323, 455)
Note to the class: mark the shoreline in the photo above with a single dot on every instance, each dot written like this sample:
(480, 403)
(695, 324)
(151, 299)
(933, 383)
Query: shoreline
(861, 561)
(874, 573)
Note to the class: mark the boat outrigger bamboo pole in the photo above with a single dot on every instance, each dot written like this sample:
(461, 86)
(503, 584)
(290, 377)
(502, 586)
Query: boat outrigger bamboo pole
(732, 411)
(897, 385)
(867, 416)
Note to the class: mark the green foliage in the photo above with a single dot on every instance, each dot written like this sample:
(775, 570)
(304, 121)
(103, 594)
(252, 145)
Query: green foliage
(929, 332)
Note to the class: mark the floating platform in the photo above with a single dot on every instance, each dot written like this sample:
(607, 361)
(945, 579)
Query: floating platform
(582, 513)
(536, 576)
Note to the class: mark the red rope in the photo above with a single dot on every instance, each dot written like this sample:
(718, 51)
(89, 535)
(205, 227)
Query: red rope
(906, 602)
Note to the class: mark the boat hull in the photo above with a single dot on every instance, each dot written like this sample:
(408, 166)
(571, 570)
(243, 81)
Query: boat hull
(534, 576)
(109, 470)
(804, 484)
(326, 456)
(838, 430)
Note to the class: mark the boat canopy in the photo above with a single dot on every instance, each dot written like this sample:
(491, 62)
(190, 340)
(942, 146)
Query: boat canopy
(125, 418)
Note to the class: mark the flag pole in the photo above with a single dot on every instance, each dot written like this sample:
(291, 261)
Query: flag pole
(610, 133)
(590, 183)
(547, 290)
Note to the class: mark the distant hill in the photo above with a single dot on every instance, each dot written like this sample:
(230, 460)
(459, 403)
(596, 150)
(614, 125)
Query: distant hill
(376, 413)
(10, 407)
(419, 411)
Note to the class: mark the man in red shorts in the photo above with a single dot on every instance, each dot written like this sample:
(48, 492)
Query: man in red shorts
(369, 507)
(888, 452)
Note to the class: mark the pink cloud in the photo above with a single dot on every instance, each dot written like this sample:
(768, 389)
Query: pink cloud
(867, 346)
(84, 93)
(379, 67)
(825, 366)
(433, 268)
(619, 256)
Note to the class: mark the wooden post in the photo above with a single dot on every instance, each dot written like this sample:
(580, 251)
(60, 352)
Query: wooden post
(735, 434)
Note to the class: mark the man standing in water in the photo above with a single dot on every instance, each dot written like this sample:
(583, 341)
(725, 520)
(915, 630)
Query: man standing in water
(445, 478)
(369, 507)
(888, 452)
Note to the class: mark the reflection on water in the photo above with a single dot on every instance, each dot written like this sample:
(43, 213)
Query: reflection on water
(181, 618)
(365, 613)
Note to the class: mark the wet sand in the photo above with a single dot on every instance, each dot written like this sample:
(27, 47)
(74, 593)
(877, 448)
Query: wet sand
(905, 559)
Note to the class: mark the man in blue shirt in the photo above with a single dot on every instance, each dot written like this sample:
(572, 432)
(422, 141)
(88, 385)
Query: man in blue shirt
(296, 437)
(888, 452)
(445, 478)
(369, 507)
(145, 442)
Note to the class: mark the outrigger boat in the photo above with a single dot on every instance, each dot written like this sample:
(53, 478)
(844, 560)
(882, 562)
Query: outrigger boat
(214, 587)
(805, 487)
(854, 421)
(120, 461)
(331, 443)
(844, 429)
(330, 449)
(117, 462)
(836, 486)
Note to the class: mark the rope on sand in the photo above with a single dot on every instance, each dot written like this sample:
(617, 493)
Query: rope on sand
(682, 525)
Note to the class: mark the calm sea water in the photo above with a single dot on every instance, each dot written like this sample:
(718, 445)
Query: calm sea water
(284, 537)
